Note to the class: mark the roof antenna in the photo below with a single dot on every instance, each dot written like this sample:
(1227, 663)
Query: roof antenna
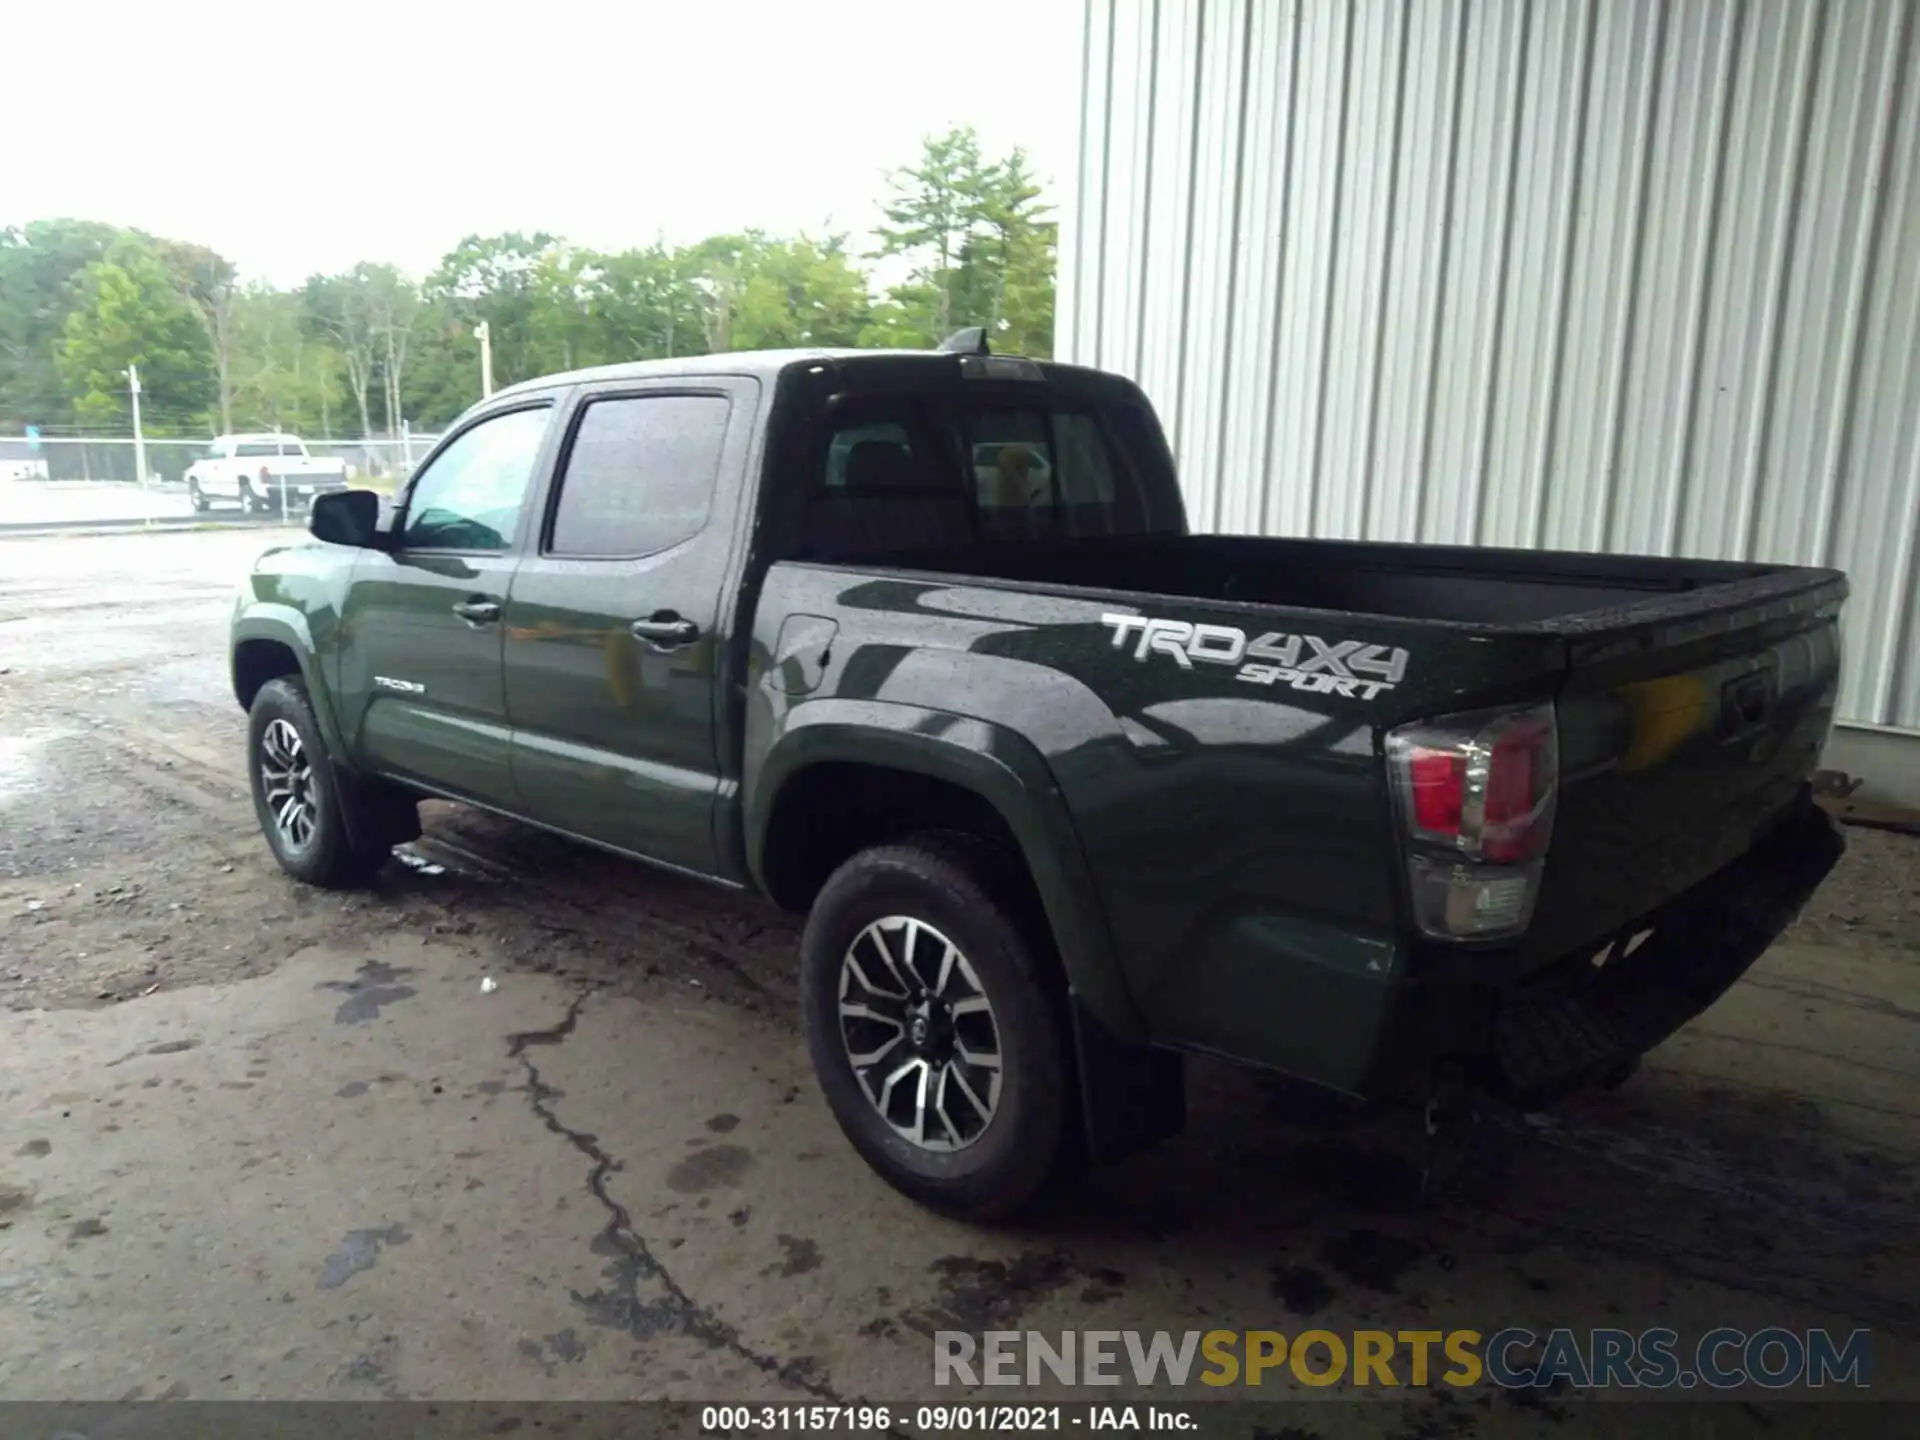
(971, 341)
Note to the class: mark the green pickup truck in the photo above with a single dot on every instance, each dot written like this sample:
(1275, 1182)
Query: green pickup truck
(920, 644)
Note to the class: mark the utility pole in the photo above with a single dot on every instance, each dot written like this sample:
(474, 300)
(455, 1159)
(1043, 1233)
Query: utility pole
(139, 440)
(484, 335)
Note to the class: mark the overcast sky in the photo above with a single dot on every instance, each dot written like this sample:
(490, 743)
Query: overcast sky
(297, 138)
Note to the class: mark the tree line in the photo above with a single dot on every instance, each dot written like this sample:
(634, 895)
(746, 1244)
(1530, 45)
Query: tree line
(353, 354)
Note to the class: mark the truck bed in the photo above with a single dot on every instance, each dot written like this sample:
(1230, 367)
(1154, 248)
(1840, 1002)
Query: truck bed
(1692, 699)
(1517, 590)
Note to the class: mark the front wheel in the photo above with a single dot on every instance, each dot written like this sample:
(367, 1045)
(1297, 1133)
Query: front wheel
(298, 797)
(196, 497)
(934, 1029)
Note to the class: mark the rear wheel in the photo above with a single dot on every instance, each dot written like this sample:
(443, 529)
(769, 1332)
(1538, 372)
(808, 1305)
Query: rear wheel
(302, 806)
(934, 1028)
(195, 495)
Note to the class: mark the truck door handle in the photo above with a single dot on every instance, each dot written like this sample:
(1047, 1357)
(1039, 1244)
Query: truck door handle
(665, 630)
(478, 612)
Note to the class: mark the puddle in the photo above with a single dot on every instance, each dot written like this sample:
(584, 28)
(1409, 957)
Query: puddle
(375, 986)
(19, 765)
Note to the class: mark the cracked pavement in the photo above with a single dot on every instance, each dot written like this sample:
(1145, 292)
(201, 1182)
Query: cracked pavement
(259, 1141)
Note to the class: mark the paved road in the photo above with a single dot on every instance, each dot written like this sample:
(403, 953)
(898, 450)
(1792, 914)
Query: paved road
(256, 1140)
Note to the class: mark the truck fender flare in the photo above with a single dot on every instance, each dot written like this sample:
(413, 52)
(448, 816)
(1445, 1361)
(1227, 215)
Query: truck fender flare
(284, 625)
(1000, 766)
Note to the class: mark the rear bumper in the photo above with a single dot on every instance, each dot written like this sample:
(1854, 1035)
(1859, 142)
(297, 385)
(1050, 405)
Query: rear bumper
(1573, 1022)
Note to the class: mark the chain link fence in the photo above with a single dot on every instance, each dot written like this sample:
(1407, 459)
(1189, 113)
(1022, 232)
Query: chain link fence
(382, 460)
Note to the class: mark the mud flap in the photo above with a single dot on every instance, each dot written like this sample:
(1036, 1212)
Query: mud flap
(376, 815)
(1131, 1096)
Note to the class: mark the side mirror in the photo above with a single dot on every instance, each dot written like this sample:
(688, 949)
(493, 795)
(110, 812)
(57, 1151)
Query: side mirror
(346, 517)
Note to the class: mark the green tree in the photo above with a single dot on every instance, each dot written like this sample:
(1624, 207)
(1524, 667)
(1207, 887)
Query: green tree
(979, 242)
(285, 378)
(39, 263)
(1008, 264)
(335, 312)
(648, 306)
(538, 298)
(393, 302)
(367, 316)
(443, 377)
(903, 319)
(716, 267)
(1026, 326)
(208, 282)
(565, 289)
(495, 278)
(965, 236)
(129, 312)
(760, 293)
(932, 211)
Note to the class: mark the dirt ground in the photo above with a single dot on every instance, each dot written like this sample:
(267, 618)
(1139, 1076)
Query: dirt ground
(259, 1140)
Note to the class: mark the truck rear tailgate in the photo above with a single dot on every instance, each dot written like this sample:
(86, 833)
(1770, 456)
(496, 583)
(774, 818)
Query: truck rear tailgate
(1688, 725)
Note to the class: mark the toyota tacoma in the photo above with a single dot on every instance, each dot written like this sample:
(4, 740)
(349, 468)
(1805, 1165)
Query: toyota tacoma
(921, 644)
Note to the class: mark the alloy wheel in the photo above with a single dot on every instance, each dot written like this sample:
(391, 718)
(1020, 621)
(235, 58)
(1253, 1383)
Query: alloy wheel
(287, 781)
(920, 1033)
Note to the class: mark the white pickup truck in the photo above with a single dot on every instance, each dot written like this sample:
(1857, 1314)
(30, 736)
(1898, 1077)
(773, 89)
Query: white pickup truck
(263, 474)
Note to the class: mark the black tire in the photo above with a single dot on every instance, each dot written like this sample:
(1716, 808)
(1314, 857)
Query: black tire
(955, 886)
(328, 854)
(196, 496)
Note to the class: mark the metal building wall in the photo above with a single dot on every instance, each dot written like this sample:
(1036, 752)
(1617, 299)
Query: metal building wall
(1582, 274)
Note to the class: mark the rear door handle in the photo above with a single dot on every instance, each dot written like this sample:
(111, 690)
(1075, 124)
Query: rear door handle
(665, 630)
(478, 612)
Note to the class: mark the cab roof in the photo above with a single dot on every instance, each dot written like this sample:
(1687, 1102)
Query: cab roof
(768, 365)
(757, 363)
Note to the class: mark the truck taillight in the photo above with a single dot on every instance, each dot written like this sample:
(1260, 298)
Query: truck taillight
(1475, 793)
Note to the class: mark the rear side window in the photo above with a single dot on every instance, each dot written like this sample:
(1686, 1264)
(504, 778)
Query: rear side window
(887, 483)
(639, 476)
(927, 473)
(1024, 458)
(1040, 473)
(845, 441)
(1086, 467)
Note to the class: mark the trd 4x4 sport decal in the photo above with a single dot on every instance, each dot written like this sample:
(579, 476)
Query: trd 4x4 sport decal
(1304, 662)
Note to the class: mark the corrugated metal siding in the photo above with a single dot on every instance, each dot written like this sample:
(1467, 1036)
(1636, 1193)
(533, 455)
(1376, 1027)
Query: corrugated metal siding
(1583, 274)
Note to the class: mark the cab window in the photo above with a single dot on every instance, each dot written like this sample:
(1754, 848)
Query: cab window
(470, 495)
